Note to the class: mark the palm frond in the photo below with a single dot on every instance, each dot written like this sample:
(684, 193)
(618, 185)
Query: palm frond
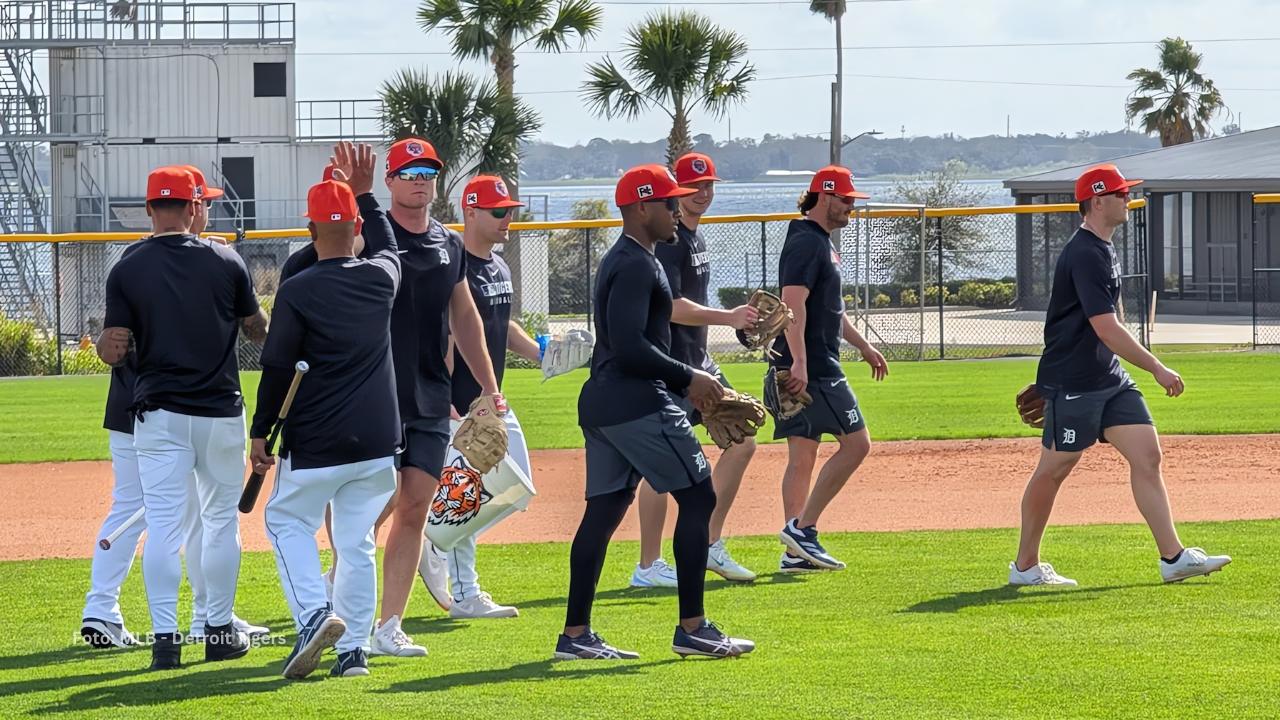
(609, 94)
(830, 9)
(580, 18)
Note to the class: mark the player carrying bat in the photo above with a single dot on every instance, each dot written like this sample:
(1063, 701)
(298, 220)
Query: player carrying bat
(338, 443)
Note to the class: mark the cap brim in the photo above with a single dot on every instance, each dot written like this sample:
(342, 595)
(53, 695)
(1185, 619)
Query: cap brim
(699, 178)
(212, 193)
(678, 192)
(499, 204)
(854, 195)
(1131, 183)
(439, 165)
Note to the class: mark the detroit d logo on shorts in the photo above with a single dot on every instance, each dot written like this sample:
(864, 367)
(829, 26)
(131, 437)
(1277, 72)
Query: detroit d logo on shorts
(1099, 187)
(828, 186)
(415, 149)
(699, 166)
(459, 496)
(644, 191)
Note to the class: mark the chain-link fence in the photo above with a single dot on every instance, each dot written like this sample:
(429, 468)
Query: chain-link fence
(919, 283)
(1266, 271)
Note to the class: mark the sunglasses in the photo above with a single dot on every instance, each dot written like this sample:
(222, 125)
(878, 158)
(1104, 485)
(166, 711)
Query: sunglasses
(410, 174)
(1122, 194)
(500, 213)
(672, 204)
(841, 198)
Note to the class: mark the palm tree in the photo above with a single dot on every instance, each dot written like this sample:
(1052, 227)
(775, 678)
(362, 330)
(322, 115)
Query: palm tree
(834, 10)
(472, 126)
(678, 62)
(1174, 100)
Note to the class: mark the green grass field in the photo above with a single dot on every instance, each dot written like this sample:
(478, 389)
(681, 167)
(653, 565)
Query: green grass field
(60, 418)
(920, 626)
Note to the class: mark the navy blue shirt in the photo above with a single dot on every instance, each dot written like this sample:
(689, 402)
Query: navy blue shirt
(305, 257)
(808, 260)
(336, 315)
(631, 367)
(1086, 282)
(183, 298)
(490, 282)
(431, 265)
(689, 274)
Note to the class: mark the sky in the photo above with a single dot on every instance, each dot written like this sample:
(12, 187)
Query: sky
(965, 90)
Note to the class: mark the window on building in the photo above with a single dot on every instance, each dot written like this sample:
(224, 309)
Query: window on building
(1187, 237)
(269, 79)
(1170, 217)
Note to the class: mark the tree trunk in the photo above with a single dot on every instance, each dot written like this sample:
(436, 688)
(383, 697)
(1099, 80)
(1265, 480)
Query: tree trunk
(678, 142)
(837, 124)
(504, 66)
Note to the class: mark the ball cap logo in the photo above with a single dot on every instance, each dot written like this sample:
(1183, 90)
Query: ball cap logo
(828, 185)
(501, 188)
(472, 198)
(335, 216)
(165, 192)
(1099, 187)
(644, 191)
(198, 192)
(699, 165)
(415, 149)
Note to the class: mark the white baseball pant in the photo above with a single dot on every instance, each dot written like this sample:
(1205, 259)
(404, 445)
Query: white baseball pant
(358, 492)
(170, 446)
(464, 581)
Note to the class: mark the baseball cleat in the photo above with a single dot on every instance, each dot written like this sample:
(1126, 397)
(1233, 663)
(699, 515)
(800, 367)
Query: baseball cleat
(389, 639)
(659, 574)
(166, 652)
(804, 543)
(1038, 574)
(793, 565)
(1192, 562)
(708, 641)
(590, 646)
(352, 663)
(105, 634)
(433, 568)
(720, 562)
(481, 606)
(244, 626)
(319, 633)
(224, 642)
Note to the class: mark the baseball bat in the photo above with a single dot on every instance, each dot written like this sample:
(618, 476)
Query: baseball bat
(249, 496)
(105, 543)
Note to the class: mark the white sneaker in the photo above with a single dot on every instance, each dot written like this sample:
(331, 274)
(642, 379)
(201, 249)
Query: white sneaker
(1041, 574)
(248, 628)
(433, 568)
(659, 574)
(389, 639)
(480, 606)
(720, 562)
(1191, 563)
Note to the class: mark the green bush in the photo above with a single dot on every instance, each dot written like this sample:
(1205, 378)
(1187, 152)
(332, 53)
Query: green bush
(534, 323)
(931, 295)
(21, 352)
(986, 294)
(77, 361)
(909, 298)
(881, 301)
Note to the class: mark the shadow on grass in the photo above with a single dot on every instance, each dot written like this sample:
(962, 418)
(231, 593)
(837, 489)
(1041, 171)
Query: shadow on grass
(537, 671)
(161, 688)
(1011, 593)
(625, 595)
(72, 653)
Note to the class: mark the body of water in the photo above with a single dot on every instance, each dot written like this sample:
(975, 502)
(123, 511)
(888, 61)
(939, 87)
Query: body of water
(556, 202)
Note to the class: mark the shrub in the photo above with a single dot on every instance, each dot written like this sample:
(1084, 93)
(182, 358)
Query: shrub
(21, 352)
(534, 323)
(881, 301)
(986, 294)
(931, 295)
(909, 298)
(82, 361)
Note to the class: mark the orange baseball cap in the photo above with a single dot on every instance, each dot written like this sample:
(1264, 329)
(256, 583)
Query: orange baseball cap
(648, 182)
(411, 150)
(488, 191)
(328, 173)
(694, 168)
(836, 180)
(1101, 179)
(206, 192)
(171, 183)
(330, 201)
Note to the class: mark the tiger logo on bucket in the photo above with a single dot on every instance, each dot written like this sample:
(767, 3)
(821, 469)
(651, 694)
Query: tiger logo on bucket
(459, 496)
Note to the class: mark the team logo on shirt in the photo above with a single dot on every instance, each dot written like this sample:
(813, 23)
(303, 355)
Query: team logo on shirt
(828, 186)
(1099, 187)
(473, 198)
(415, 149)
(644, 191)
(459, 496)
(444, 256)
(496, 289)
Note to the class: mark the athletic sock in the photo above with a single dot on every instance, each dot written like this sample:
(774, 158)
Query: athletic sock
(1172, 560)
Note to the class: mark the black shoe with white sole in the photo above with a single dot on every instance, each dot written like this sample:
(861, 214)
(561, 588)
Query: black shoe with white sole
(224, 642)
(100, 633)
(708, 641)
(352, 663)
(166, 652)
(590, 646)
(319, 633)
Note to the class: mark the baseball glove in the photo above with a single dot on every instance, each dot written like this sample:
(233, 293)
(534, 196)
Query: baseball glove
(734, 418)
(1031, 406)
(568, 352)
(789, 404)
(482, 436)
(772, 318)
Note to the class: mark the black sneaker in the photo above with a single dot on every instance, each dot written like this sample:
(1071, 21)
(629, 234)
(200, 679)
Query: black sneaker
(794, 565)
(590, 646)
(803, 542)
(100, 634)
(352, 663)
(708, 641)
(166, 652)
(317, 635)
(224, 642)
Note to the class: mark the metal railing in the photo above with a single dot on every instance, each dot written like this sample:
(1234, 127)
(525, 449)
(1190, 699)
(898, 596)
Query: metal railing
(71, 23)
(332, 120)
(924, 283)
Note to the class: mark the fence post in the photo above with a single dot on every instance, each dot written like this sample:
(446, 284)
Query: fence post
(57, 302)
(1253, 271)
(923, 255)
(764, 262)
(587, 234)
(942, 341)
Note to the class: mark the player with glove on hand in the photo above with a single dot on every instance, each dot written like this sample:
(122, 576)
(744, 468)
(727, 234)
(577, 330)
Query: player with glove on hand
(805, 388)
(688, 268)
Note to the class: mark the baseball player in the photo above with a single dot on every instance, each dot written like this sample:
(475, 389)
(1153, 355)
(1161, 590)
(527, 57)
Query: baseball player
(433, 302)
(487, 212)
(634, 428)
(184, 300)
(1090, 397)
(103, 625)
(688, 269)
(343, 428)
(809, 275)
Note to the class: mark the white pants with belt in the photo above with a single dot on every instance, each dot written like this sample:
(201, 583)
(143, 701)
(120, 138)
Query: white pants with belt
(358, 493)
(464, 581)
(170, 447)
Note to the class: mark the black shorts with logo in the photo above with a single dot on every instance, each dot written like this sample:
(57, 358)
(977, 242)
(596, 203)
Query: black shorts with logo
(834, 410)
(424, 445)
(659, 447)
(1075, 420)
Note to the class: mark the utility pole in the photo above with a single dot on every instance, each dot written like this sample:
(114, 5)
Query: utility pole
(836, 132)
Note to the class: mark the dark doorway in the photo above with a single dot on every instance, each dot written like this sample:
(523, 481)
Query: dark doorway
(238, 174)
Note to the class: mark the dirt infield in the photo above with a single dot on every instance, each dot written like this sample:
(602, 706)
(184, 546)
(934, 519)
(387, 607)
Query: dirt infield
(55, 509)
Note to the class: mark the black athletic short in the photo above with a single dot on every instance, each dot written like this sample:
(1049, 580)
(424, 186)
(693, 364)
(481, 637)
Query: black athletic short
(659, 447)
(1075, 420)
(425, 442)
(834, 410)
(695, 416)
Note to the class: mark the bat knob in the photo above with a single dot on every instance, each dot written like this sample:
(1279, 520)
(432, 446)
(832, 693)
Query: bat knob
(302, 366)
(104, 544)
